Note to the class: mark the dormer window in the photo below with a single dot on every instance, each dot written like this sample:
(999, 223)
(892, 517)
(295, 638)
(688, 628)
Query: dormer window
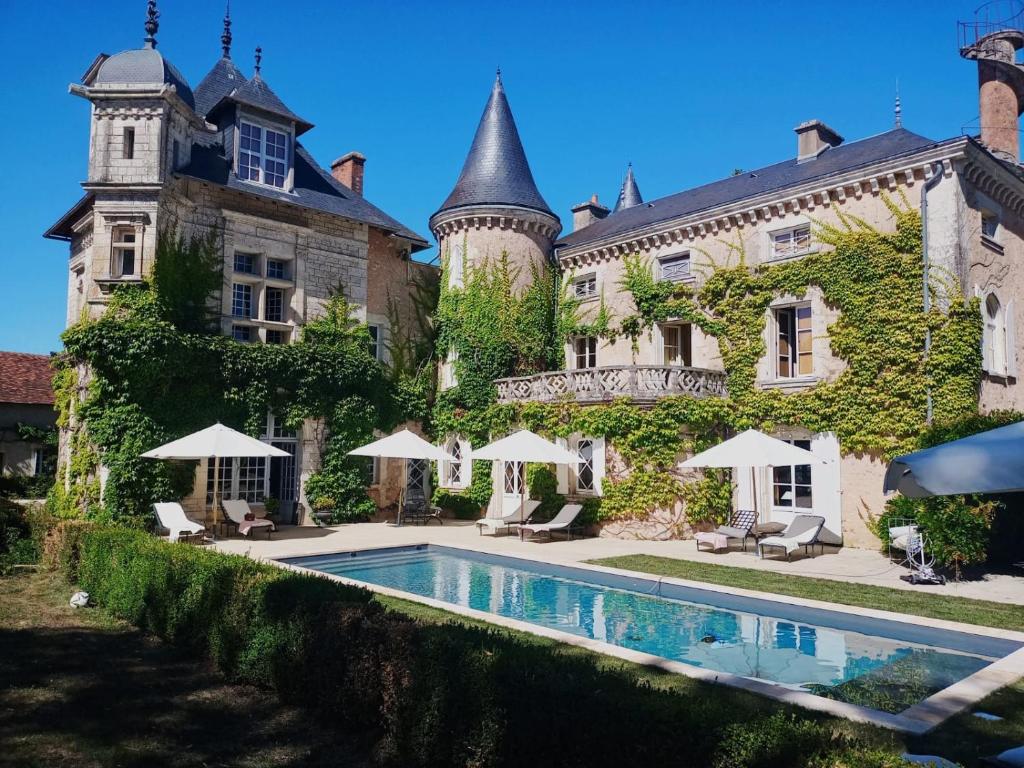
(262, 155)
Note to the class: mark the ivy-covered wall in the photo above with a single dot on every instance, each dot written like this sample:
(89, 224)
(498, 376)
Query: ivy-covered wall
(870, 279)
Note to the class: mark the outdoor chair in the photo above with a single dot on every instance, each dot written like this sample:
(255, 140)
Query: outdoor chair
(801, 532)
(417, 509)
(565, 520)
(171, 516)
(740, 527)
(237, 511)
(509, 514)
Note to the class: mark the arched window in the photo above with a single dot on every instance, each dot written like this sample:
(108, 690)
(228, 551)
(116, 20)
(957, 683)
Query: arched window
(457, 473)
(995, 351)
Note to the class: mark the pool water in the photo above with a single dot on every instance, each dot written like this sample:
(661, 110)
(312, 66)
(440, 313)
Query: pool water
(799, 648)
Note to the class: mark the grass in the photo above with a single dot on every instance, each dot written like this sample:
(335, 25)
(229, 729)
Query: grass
(969, 611)
(80, 688)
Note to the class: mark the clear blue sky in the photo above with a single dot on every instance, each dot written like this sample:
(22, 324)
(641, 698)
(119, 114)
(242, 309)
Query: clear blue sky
(686, 91)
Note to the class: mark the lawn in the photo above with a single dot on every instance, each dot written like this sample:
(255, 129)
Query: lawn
(81, 689)
(950, 608)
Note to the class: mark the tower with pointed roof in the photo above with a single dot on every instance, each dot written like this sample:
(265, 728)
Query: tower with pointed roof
(629, 194)
(495, 207)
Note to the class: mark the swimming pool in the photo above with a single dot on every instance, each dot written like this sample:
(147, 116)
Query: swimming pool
(876, 663)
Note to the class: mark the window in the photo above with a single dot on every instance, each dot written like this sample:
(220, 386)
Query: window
(995, 352)
(262, 155)
(375, 470)
(241, 332)
(276, 337)
(417, 478)
(37, 462)
(514, 477)
(273, 309)
(250, 148)
(674, 268)
(252, 475)
(585, 287)
(241, 300)
(124, 247)
(449, 378)
(225, 484)
(791, 486)
(791, 242)
(585, 471)
(456, 265)
(676, 344)
(275, 161)
(990, 226)
(794, 352)
(245, 263)
(175, 153)
(376, 341)
(454, 467)
(277, 269)
(128, 144)
(585, 348)
(278, 428)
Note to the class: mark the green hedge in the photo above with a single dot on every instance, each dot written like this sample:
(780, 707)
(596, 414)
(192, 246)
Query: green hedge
(429, 694)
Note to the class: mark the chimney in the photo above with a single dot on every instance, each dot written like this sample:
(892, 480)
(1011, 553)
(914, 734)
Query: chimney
(813, 138)
(348, 169)
(585, 214)
(1000, 89)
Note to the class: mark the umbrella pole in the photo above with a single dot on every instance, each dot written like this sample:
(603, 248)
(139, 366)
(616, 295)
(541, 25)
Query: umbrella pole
(522, 494)
(402, 491)
(216, 488)
(753, 493)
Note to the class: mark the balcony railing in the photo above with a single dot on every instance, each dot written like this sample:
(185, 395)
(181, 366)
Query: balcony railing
(642, 383)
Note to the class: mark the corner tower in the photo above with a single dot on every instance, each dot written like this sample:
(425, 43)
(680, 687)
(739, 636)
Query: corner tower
(495, 206)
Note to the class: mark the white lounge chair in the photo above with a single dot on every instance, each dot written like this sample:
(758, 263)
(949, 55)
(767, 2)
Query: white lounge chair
(802, 531)
(509, 513)
(172, 517)
(237, 509)
(565, 520)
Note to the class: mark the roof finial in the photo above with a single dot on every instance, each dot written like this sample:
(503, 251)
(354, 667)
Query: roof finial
(259, 58)
(152, 25)
(225, 38)
(899, 107)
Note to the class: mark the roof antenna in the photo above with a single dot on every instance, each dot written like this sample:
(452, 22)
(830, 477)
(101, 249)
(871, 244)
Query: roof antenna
(152, 25)
(899, 108)
(259, 58)
(225, 38)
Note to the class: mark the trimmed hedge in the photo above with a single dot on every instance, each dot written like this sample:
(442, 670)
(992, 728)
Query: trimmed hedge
(433, 694)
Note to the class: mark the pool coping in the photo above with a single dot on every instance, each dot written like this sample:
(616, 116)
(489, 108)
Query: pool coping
(918, 719)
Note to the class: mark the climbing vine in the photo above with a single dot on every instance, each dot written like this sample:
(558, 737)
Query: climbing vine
(876, 403)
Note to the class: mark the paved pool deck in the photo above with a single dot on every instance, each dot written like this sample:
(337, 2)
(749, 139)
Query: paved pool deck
(858, 566)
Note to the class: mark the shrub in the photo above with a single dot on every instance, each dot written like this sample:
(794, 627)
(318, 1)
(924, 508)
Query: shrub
(426, 694)
(460, 506)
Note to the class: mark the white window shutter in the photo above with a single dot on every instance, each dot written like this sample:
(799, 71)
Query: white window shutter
(598, 464)
(562, 470)
(1010, 318)
(467, 463)
(986, 335)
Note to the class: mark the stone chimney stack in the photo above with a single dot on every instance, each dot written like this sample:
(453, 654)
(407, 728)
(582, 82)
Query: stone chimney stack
(1000, 90)
(585, 214)
(348, 169)
(814, 137)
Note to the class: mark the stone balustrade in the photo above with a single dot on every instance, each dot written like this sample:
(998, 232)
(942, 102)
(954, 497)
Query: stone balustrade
(641, 383)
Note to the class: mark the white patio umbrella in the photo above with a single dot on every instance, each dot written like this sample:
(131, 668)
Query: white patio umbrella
(752, 449)
(216, 442)
(527, 447)
(402, 445)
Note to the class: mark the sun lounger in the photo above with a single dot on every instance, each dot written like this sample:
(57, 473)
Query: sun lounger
(565, 520)
(238, 509)
(740, 527)
(801, 532)
(509, 513)
(172, 517)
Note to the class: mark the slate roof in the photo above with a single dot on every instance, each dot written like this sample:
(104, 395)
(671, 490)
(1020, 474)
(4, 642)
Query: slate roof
(629, 194)
(143, 66)
(845, 157)
(496, 171)
(257, 94)
(314, 188)
(25, 379)
(218, 83)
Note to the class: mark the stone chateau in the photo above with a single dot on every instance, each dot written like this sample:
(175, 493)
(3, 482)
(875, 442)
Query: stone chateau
(227, 158)
(974, 188)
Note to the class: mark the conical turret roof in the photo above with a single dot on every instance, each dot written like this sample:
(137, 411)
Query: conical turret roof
(629, 194)
(496, 171)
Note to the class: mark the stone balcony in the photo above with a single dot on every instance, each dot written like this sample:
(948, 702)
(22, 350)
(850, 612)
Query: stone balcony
(641, 383)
